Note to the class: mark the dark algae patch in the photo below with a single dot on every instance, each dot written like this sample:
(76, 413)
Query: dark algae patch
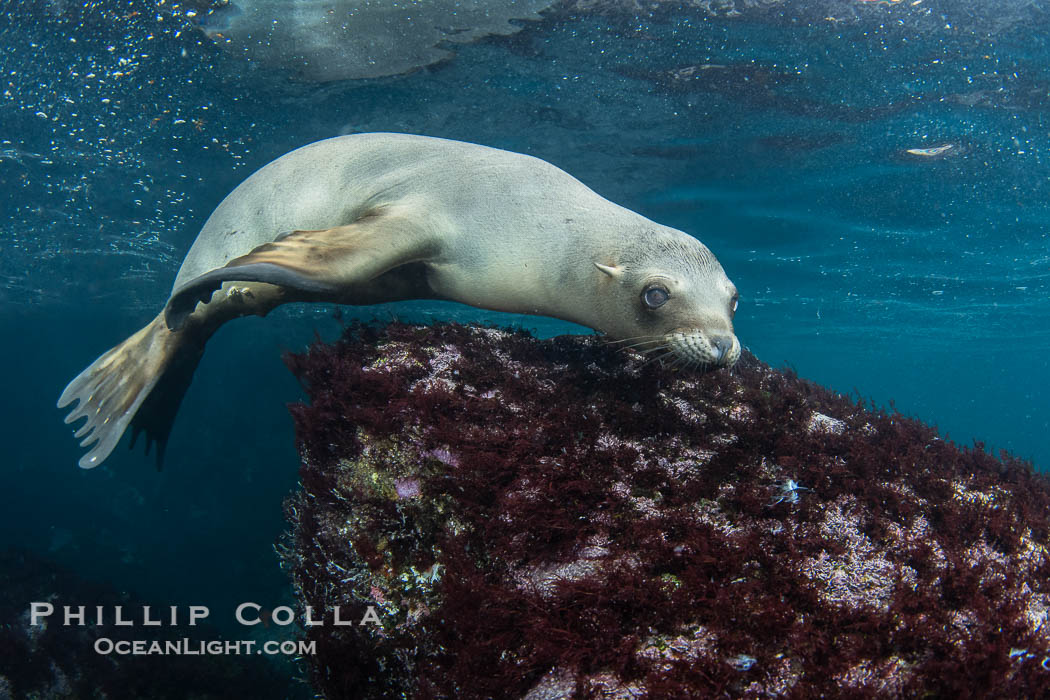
(560, 518)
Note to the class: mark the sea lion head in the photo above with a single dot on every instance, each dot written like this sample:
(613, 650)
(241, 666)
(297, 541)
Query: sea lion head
(666, 292)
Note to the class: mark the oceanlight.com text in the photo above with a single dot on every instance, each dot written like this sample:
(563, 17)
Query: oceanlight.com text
(190, 647)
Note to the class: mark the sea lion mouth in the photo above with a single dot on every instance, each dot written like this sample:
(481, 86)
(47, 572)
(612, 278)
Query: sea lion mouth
(705, 350)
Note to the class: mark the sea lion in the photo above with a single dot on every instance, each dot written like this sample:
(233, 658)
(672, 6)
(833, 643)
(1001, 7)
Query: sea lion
(371, 218)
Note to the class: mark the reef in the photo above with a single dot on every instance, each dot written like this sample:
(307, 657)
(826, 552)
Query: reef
(51, 660)
(565, 518)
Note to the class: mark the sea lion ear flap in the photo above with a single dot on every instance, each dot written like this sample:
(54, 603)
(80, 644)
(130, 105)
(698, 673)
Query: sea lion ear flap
(611, 270)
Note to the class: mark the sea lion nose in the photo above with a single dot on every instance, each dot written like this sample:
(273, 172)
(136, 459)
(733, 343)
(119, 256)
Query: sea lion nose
(722, 344)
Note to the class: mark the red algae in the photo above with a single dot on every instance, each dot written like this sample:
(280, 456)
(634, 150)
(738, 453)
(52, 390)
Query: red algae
(558, 518)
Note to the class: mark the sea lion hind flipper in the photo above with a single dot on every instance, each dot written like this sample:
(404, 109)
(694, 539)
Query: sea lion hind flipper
(318, 264)
(139, 384)
(156, 414)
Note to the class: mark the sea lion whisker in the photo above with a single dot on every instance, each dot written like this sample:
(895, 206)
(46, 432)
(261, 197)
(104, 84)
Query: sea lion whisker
(678, 363)
(643, 343)
(657, 358)
(648, 362)
(646, 351)
(637, 337)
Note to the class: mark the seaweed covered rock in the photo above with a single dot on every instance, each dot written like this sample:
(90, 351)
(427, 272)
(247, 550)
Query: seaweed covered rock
(560, 518)
(54, 660)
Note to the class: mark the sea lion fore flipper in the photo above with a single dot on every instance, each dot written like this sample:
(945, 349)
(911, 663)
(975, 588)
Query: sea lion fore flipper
(315, 263)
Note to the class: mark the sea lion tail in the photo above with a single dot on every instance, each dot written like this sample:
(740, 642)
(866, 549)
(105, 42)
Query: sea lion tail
(138, 384)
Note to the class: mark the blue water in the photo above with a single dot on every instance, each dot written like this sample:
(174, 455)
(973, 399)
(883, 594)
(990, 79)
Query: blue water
(912, 279)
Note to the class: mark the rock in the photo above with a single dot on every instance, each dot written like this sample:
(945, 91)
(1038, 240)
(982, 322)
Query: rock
(560, 518)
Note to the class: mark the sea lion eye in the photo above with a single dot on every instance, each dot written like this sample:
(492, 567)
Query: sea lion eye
(732, 305)
(655, 297)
